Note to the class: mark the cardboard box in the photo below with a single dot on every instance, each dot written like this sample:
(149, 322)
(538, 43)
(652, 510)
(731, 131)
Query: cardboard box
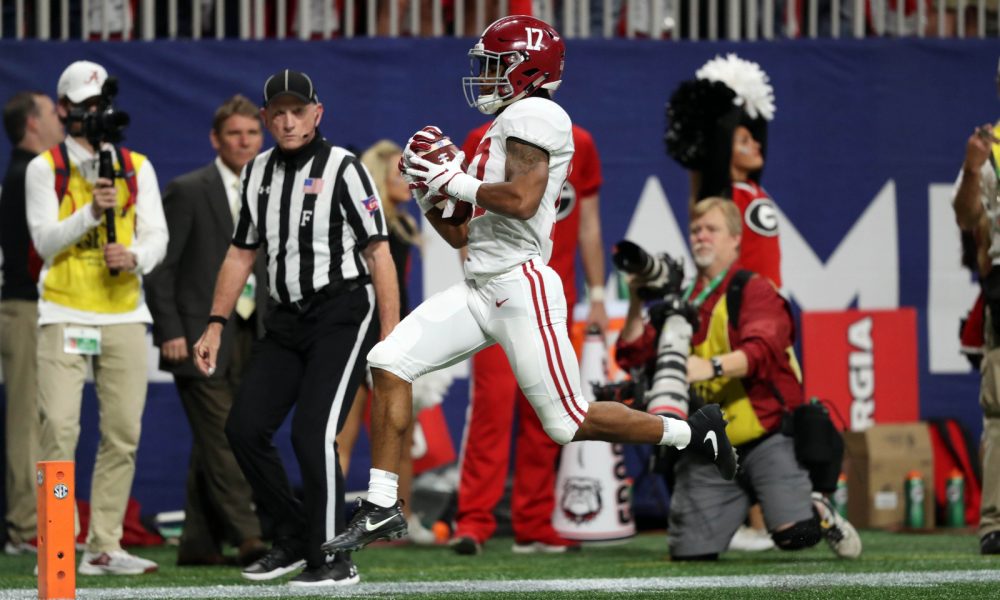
(878, 460)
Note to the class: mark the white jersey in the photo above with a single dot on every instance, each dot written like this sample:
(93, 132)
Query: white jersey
(498, 243)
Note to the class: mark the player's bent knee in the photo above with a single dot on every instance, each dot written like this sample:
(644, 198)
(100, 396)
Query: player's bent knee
(559, 434)
(387, 355)
(803, 534)
(382, 354)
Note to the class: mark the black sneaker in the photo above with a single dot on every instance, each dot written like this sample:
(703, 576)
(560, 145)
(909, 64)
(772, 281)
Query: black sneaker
(338, 572)
(708, 438)
(990, 543)
(278, 561)
(370, 523)
(466, 546)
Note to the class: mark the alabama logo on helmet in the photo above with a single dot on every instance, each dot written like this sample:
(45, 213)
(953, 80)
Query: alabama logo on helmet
(761, 217)
(581, 499)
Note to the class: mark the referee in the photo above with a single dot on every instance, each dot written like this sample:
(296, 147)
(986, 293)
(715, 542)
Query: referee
(328, 267)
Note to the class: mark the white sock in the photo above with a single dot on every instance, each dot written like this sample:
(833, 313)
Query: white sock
(382, 487)
(676, 433)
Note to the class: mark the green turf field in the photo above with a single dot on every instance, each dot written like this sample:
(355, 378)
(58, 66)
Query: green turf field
(893, 565)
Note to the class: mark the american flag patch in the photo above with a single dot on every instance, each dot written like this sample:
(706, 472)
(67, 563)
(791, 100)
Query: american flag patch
(312, 186)
(371, 204)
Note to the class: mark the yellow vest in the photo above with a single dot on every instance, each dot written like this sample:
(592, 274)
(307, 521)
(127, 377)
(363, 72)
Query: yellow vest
(78, 277)
(729, 392)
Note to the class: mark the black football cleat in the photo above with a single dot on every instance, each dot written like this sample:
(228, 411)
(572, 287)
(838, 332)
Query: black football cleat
(370, 523)
(708, 438)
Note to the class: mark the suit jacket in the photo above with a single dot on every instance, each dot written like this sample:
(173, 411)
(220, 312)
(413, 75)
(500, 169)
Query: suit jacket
(179, 291)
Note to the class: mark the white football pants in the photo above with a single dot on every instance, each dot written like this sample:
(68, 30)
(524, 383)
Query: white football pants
(523, 310)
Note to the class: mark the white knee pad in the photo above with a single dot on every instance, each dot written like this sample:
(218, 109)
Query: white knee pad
(560, 434)
(387, 355)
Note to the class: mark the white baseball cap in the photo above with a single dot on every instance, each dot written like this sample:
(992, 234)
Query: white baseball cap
(81, 80)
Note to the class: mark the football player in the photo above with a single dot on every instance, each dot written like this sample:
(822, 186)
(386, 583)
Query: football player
(510, 296)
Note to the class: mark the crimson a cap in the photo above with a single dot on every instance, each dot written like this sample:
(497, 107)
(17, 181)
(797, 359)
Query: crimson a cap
(81, 80)
(289, 82)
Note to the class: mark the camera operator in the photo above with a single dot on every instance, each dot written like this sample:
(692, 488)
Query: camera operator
(91, 307)
(747, 367)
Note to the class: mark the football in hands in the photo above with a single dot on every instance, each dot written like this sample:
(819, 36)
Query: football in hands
(432, 145)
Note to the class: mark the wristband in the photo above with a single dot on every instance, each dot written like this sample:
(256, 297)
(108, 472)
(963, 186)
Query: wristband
(596, 293)
(463, 187)
(716, 366)
(217, 319)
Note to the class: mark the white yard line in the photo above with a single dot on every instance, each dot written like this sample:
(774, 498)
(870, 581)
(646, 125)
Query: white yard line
(875, 580)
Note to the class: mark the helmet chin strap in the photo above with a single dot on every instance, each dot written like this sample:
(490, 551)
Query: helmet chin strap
(527, 91)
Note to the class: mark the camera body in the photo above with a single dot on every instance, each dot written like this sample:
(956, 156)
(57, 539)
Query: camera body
(107, 123)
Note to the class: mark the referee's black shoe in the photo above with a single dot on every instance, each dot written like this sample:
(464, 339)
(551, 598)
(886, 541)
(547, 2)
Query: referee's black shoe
(279, 560)
(708, 438)
(370, 523)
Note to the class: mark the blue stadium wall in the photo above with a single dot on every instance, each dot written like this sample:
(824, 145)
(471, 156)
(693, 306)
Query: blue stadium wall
(868, 137)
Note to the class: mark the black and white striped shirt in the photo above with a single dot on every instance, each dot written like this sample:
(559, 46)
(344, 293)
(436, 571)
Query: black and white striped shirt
(315, 211)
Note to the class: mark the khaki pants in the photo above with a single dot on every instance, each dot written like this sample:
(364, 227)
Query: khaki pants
(18, 331)
(120, 377)
(989, 398)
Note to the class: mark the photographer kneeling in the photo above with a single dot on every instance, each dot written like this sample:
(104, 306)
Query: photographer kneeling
(749, 369)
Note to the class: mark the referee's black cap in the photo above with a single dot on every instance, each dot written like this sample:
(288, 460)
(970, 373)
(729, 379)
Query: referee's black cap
(289, 82)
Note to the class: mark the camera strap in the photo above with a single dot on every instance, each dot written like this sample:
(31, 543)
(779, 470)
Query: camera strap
(127, 173)
(705, 293)
(61, 164)
(734, 295)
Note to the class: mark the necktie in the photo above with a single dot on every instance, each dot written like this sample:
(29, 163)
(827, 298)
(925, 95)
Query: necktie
(234, 201)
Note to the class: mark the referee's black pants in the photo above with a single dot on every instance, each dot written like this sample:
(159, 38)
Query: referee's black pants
(312, 359)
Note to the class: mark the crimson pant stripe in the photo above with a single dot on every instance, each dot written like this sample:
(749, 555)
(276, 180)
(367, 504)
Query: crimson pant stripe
(559, 360)
(545, 342)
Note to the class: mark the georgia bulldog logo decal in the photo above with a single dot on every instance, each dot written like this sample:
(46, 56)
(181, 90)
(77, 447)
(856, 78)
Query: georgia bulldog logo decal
(581, 499)
(761, 217)
(567, 201)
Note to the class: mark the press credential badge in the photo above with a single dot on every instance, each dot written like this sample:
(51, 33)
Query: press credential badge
(82, 340)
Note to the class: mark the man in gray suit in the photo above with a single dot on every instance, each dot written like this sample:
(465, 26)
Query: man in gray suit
(201, 209)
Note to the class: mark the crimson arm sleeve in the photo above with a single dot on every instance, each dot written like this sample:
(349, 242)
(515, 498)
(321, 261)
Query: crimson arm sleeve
(765, 327)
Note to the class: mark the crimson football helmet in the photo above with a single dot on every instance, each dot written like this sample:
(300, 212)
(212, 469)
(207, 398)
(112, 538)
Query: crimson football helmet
(515, 57)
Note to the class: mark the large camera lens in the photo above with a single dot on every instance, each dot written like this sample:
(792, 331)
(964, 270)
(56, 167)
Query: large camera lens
(629, 257)
(657, 275)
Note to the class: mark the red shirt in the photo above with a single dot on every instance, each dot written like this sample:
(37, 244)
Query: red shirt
(584, 181)
(759, 249)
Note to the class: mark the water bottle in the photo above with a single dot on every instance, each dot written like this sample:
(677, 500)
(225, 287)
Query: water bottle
(840, 496)
(955, 495)
(914, 490)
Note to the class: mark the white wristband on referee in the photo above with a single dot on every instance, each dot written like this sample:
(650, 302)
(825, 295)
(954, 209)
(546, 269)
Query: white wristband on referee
(596, 293)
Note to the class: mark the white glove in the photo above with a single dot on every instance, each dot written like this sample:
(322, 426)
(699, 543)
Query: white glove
(446, 179)
(420, 141)
(419, 191)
